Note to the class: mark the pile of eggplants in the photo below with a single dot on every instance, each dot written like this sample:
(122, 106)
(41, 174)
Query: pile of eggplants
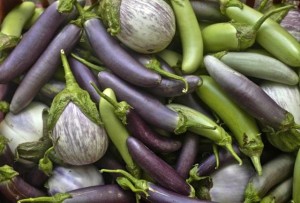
(149, 101)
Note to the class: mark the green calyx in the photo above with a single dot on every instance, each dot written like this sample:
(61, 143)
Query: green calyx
(72, 93)
(109, 12)
(65, 6)
(4, 106)
(246, 34)
(8, 41)
(57, 198)
(128, 181)
(193, 175)
(45, 164)
(7, 173)
(155, 65)
(251, 195)
(121, 108)
(3, 143)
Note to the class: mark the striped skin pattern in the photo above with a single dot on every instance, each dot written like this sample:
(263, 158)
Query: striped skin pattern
(77, 140)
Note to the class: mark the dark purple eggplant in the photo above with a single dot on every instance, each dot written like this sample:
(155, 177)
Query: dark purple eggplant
(171, 84)
(44, 68)
(115, 58)
(35, 177)
(110, 193)
(151, 192)
(84, 76)
(175, 88)
(146, 105)
(248, 95)
(163, 173)
(188, 154)
(139, 129)
(14, 188)
(33, 43)
(49, 91)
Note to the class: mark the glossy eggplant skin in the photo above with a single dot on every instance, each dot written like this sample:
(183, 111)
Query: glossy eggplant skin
(109, 193)
(44, 68)
(84, 76)
(16, 189)
(157, 168)
(33, 43)
(142, 131)
(146, 105)
(115, 58)
(162, 195)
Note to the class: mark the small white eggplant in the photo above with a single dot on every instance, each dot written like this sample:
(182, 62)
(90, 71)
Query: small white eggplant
(74, 124)
(142, 25)
(67, 178)
(26, 126)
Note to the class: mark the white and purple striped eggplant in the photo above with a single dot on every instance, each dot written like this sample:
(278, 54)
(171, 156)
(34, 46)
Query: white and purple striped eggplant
(74, 124)
(142, 25)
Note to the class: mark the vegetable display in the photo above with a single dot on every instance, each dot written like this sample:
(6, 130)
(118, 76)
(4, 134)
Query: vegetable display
(171, 101)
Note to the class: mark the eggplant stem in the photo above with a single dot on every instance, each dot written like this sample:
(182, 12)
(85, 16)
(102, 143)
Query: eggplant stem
(70, 79)
(193, 175)
(257, 165)
(258, 24)
(216, 153)
(229, 147)
(57, 198)
(87, 63)
(154, 65)
(121, 108)
(45, 164)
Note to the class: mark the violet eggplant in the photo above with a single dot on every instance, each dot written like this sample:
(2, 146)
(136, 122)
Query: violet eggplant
(276, 121)
(110, 193)
(149, 191)
(49, 91)
(84, 77)
(258, 186)
(13, 187)
(74, 124)
(139, 128)
(188, 154)
(146, 105)
(34, 176)
(44, 68)
(32, 45)
(163, 173)
(123, 64)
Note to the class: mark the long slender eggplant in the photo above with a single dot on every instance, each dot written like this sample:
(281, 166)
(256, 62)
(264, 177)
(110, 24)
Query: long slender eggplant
(14, 188)
(115, 58)
(109, 193)
(188, 154)
(33, 43)
(146, 105)
(149, 191)
(84, 76)
(45, 67)
(157, 168)
(139, 128)
(249, 96)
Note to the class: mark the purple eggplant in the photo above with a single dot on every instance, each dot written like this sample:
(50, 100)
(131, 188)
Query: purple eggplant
(14, 188)
(163, 173)
(33, 43)
(44, 68)
(151, 192)
(115, 58)
(146, 105)
(110, 193)
(84, 76)
(188, 154)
